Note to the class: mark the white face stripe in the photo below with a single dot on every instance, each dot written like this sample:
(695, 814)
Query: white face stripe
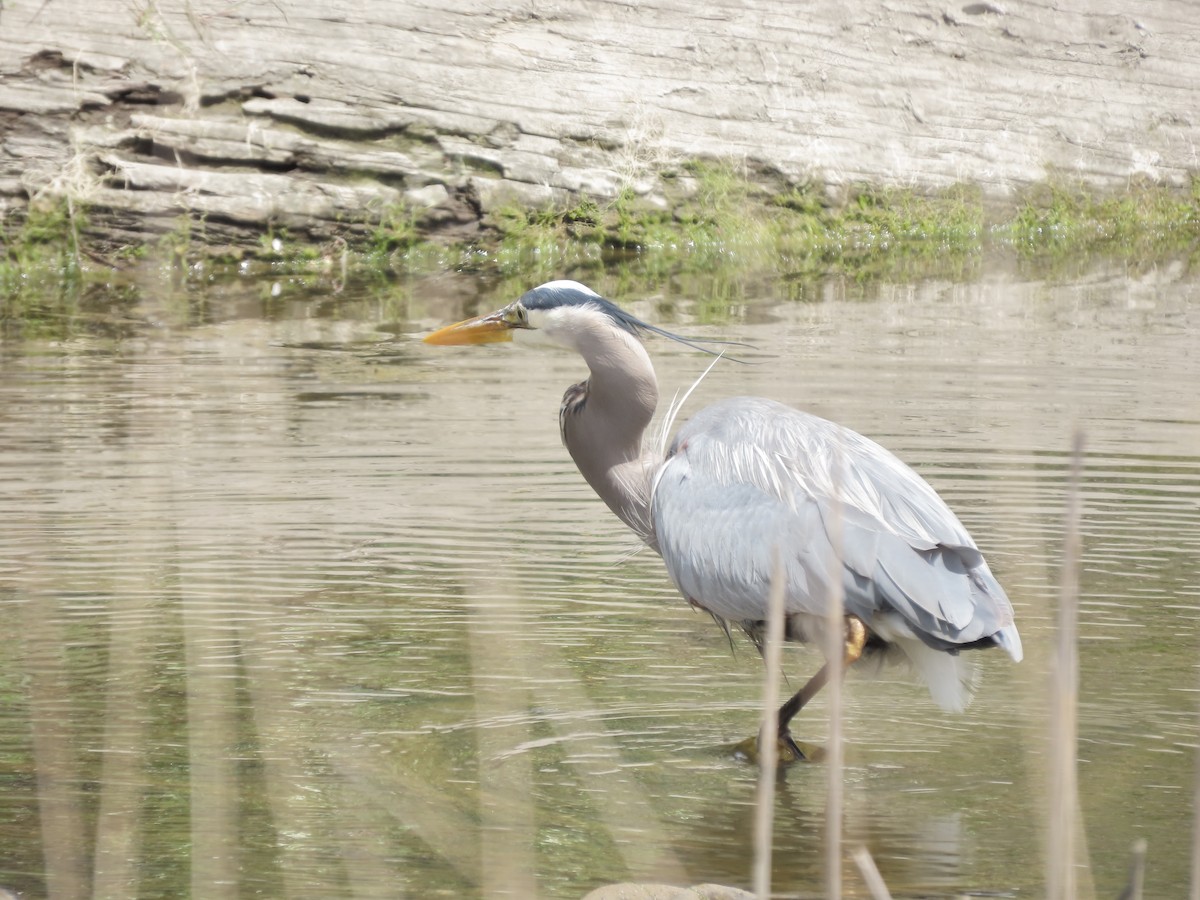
(535, 335)
(566, 326)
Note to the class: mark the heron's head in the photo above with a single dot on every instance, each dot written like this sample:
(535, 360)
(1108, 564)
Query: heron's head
(566, 313)
(560, 311)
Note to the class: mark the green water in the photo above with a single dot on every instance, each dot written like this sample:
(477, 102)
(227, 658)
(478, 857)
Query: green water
(297, 606)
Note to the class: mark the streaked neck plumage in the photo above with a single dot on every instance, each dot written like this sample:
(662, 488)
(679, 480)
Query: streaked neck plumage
(603, 420)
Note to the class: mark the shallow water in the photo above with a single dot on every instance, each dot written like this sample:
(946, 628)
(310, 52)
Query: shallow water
(299, 606)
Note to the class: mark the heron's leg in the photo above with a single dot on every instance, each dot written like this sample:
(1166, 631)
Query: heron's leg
(854, 640)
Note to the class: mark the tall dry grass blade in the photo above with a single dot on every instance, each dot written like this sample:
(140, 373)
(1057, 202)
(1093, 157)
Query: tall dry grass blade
(500, 671)
(1194, 894)
(870, 873)
(412, 801)
(1137, 871)
(315, 827)
(210, 655)
(622, 806)
(1063, 790)
(54, 737)
(122, 782)
(768, 743)
(835, 653)
(510, 681)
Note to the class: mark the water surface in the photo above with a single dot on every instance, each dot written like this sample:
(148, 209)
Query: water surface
(297, 606)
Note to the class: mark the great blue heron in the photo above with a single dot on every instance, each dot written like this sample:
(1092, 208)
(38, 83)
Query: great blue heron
(748, 480)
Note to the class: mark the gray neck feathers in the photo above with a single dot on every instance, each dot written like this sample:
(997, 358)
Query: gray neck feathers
(603, 420)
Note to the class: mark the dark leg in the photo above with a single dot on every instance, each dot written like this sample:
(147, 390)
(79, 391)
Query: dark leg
(854, 640)
(798, 701)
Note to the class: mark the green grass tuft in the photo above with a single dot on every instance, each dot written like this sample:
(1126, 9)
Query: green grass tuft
(707, 217)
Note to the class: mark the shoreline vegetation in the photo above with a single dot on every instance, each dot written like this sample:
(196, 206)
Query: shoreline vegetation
(717, 213)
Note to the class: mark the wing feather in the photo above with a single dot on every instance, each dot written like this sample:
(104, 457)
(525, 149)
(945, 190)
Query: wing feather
(747, 475)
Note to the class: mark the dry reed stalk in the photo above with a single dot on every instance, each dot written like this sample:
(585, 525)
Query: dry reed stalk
(621, 805)
(870, 873)
(768, 744)
(317, 826)
(835, 654)
(210, 657)
(508, 817)
(1137, 871)
(1063, 788)
(1194, 894)
(54, 737)
(122, 782)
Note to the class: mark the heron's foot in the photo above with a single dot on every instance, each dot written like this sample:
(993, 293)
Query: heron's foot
(787, 749)
(790, 750)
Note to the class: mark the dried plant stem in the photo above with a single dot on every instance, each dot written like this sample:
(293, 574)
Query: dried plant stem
(1194, 894)
(1137, 871)
(870, 874)
(768, 745)
(835, 653)
(210, 654)
(1063, 789)
(834, 755)
(507, 815)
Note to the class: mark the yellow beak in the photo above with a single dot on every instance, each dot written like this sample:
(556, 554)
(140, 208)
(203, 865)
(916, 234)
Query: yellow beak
(487, 329)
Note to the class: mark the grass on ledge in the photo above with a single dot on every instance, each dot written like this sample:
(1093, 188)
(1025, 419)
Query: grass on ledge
(723, 218)
(715, 215)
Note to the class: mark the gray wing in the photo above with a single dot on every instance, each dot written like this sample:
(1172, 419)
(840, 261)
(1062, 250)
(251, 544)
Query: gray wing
(747, 475)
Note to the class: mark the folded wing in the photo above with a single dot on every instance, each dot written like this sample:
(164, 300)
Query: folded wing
(747, 477)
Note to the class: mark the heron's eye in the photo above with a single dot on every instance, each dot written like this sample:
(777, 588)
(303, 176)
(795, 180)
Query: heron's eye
(518, 316)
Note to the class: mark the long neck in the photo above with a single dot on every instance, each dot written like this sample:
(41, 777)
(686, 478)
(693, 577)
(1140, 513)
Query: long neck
(604, 418)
